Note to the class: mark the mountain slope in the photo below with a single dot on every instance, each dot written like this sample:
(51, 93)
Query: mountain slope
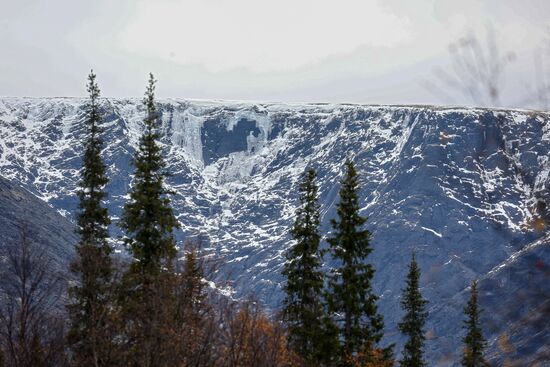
(45, 226)
(466, 188)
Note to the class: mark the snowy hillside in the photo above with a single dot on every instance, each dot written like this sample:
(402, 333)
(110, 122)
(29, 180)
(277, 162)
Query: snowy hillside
(467, 189)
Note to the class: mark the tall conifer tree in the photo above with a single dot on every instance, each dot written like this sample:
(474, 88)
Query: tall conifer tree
(303, 310)
(89, 335)
(350, 293)
(148, 218)
(414, 319)
(146, 294)
(474, 343)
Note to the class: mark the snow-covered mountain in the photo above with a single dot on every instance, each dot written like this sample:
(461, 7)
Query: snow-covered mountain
(467, 189)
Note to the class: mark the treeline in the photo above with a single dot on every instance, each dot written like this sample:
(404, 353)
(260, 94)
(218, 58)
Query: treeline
(160, 309)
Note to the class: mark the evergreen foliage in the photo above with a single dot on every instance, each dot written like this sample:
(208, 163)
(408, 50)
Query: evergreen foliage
(90, 335)
(147, 296)
(474, 343)
(350, 291)
(303, 310)
(413, 322)
(148, 218)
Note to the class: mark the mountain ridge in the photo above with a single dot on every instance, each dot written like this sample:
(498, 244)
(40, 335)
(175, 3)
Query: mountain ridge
(248, 102)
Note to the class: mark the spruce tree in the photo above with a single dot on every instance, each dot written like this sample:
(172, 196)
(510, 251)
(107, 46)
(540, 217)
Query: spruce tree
(474, 343)
(147, 293)
(414, 319)
(148, 218)
(350, 293)
(303, 310)
(89, 335)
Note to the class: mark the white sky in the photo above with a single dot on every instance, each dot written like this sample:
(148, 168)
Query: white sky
(366, 51)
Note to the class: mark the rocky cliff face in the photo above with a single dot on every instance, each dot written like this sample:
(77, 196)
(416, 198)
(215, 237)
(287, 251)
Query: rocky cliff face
(467, 189)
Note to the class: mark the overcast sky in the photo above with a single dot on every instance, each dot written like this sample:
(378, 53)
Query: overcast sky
(365, 51)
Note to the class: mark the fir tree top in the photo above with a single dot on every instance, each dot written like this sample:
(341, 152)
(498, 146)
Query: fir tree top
(93, 218)
(350, 291)
(474, 342)
(414, 319)
(350, 240)
(148, 217)
(303, 311)
(305, 228)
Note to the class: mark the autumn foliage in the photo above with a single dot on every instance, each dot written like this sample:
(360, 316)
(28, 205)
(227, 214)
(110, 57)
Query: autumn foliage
(369, 357)
(250, 338)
